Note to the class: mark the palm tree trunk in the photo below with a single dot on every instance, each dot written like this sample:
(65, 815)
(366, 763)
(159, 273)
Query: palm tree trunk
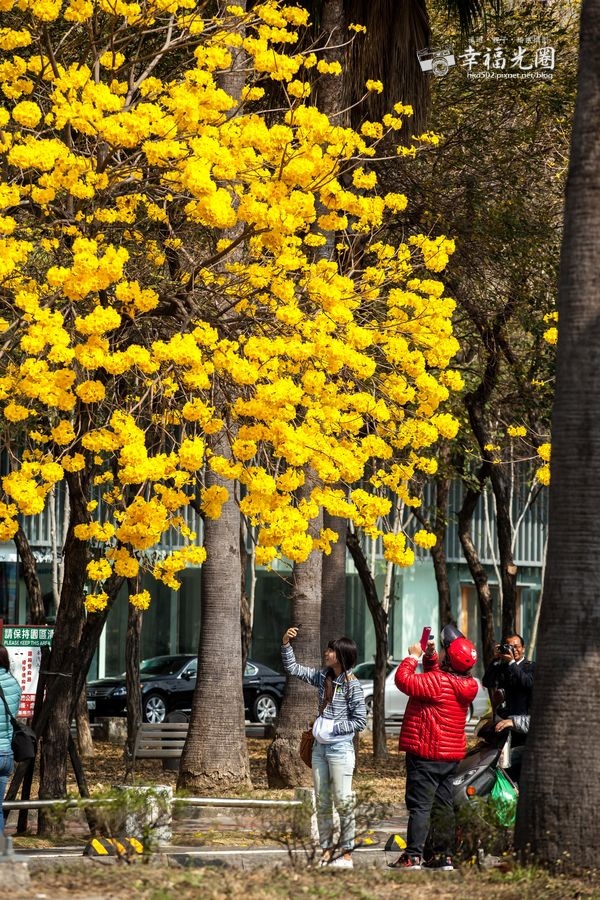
(215, 753)
(299, 706)
(559, 802)
(333, 600)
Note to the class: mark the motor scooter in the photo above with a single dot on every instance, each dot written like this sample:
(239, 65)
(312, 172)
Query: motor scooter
(478, 815)
(476, 772)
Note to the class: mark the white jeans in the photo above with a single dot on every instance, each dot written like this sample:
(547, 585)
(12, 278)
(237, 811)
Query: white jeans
(333, 767)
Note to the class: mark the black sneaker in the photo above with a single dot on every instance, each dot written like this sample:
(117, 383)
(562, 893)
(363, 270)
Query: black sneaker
(406, 862)
(441, 863)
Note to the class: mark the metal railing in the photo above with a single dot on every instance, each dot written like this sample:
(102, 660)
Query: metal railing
(74, 802)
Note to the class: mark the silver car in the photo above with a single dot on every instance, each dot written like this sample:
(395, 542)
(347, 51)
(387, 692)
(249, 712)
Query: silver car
(395, 700)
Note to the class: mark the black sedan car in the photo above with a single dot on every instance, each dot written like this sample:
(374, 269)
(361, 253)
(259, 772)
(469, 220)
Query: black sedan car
(168, 683)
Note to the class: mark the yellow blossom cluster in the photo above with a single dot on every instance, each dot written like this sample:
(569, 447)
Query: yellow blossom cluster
(163, 282)
(543, 472)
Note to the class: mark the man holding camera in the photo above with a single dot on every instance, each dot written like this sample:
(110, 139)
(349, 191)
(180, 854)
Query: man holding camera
(512, 675)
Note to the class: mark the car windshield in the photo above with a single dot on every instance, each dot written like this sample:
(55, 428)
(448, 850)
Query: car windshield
(366, 671)
(163, 665)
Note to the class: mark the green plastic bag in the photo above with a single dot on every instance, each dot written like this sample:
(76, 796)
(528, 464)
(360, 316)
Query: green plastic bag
(504, 799)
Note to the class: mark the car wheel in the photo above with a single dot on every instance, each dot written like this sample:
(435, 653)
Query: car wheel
(470, 714)
(264, 708)
(155, 709)
(369, 705)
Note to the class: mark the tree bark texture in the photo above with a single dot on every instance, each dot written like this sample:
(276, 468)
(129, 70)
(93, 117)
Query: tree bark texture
(245, 609)
(388, 53)
(85, 744)
(475, 403)
(438, 552)
(37, 614)
(380, 624)
(558, 818)
(132, 678)
(63, 655)
(477, 570)
(300, 702)
(333, 600)
(215, 753)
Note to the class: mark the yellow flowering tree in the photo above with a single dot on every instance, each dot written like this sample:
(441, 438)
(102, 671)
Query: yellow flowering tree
(136, 338)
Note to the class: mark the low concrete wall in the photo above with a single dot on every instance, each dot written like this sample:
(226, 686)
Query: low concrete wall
(111, 729)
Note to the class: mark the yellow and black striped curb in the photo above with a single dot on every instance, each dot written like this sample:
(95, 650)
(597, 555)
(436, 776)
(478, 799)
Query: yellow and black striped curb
(124, 846)
(395, 842)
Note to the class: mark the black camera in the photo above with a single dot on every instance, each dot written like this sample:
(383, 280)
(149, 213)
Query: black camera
(506, 649)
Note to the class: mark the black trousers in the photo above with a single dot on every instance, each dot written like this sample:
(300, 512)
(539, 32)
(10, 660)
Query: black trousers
(430, 804)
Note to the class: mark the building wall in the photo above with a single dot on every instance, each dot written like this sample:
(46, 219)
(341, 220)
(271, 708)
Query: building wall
(172, 623)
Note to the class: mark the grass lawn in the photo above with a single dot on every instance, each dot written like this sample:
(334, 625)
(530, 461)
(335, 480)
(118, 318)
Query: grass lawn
(88, 880)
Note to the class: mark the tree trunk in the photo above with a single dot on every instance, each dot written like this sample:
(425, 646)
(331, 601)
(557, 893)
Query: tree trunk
(85, 744)
(559, 806)
(37, 614)
(299, 706)
(477, 570)
(67, 633)
(504, 528)
(438, 552)
(380, 623)
(245, 608)
(388, 53)
(332, 94)
(215, 755)
(132, 678)
(333, 599)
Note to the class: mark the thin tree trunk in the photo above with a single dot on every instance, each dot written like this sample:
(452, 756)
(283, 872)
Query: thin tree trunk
(438, 552)
(37, 614)
(245, 608)
(504, 529)
(477, 570)
(132, 678)
(85, 744)
(380, 624)
(558, 816)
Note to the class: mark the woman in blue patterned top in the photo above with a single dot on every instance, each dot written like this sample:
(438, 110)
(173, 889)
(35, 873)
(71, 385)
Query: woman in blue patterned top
(342, 713)
(12, 694)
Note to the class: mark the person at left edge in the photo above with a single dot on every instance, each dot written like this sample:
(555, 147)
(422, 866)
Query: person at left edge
(12, 693)
(342, 713)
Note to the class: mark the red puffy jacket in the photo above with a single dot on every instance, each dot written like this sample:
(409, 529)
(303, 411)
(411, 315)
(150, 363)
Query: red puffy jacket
(434, 721)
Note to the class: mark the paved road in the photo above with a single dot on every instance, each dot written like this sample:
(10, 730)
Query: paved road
(193, 856)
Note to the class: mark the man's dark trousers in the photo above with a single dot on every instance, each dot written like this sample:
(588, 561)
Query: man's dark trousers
(429, 801)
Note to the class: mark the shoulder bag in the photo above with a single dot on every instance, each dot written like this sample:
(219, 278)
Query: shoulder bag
(307, 739)
(24, 740)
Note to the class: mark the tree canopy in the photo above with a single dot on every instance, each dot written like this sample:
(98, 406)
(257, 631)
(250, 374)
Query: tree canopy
(134, 329)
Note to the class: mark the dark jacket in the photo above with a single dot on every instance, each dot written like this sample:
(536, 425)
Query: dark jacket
(434, 721)
(516, 680)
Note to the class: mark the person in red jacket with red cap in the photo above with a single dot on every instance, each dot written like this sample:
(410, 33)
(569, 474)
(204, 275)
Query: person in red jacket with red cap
(433, 737)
